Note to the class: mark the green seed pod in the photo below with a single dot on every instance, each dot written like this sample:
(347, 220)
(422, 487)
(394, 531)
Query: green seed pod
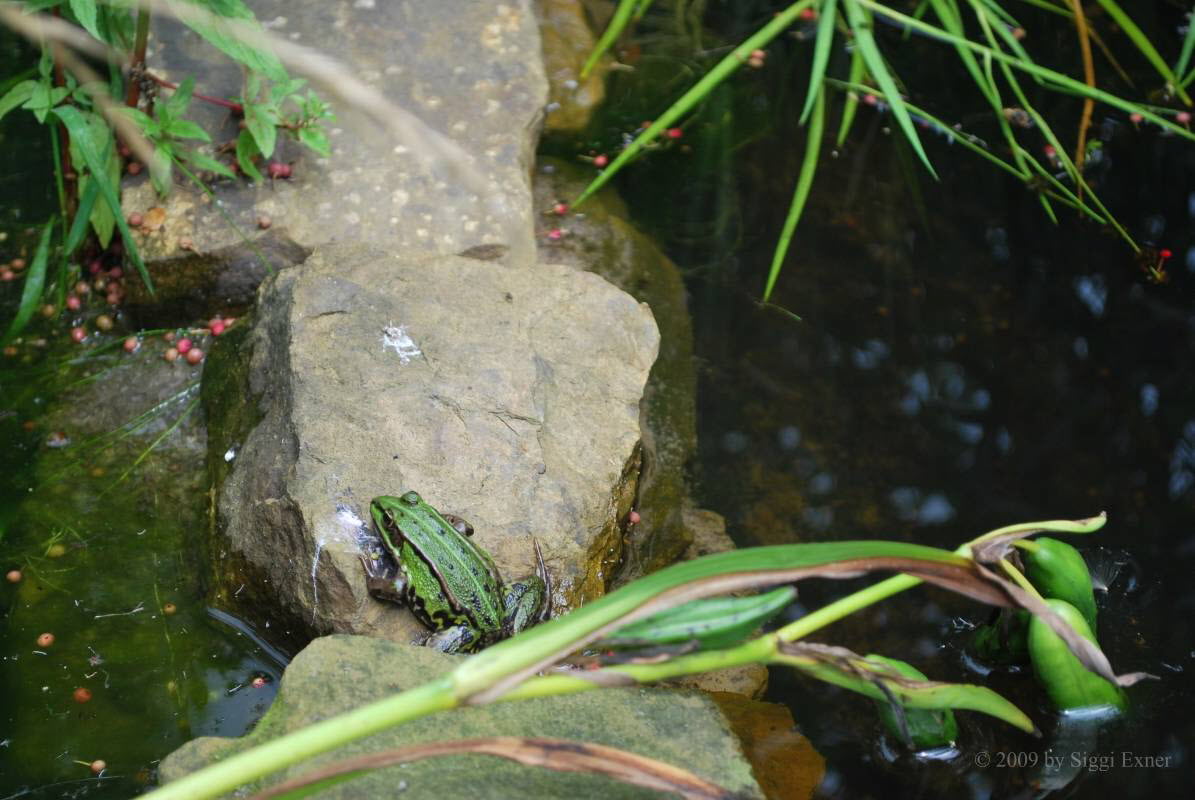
(1003, 641)
(1057, 570)
(1068, 683)
(926, 727)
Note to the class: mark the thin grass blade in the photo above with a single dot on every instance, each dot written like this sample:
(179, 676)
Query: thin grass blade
(618, 23)
(813, 141)
(1184, 57)
(821, 56)
(35, 280)
(720, 72)
(851, 105)
(82, 215)
(1144, 45)
(861, 26)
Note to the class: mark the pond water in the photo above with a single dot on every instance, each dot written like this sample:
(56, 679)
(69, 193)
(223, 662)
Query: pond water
(962, 364)
(107, 561)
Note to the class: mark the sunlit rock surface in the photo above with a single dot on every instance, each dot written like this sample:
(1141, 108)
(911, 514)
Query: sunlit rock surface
(337, 673)
(508, 395)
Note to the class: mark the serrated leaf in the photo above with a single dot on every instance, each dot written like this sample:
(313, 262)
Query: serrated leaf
(246, 152)
(91, 151)
(316, 139)
(148, 125)
(181, 98)
(17, 95)
(85, 13)
(186, 129)
(223, 28)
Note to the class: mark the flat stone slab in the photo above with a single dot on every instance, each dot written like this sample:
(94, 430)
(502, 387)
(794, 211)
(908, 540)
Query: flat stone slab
(338, 673)
(506, 395)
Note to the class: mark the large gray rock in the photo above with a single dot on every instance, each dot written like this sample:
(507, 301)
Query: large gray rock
(469, 71)
(507, 395)
(338, 673)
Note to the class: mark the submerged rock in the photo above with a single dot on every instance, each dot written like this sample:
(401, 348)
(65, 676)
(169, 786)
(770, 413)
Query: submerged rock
(507, 395)
(337, 673)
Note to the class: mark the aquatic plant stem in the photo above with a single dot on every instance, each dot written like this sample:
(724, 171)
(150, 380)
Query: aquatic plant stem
(137, 62)
(1089, 79)
(247, 766)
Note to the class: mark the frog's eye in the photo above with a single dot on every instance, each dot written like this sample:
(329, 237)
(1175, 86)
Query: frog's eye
(462, 527)
(412, 498)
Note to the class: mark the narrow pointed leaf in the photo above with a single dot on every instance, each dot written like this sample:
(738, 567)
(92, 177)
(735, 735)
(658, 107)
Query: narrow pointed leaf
(813, 143)
(1144, 45)
(861, 26)
(851, 104)
(85, 13)
(618, 23)
(821, 55)
(35, 279)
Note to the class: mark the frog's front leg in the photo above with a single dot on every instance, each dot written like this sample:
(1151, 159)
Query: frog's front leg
(454, 639)
(384, 581)
(523, 602)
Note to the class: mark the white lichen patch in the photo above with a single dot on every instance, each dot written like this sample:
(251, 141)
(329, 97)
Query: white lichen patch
(396, 337)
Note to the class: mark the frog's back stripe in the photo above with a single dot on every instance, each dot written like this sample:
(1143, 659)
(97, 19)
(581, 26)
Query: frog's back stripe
(450, 562)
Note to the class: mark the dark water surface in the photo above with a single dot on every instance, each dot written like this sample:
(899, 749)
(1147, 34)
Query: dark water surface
(962, 365)
(109, 567)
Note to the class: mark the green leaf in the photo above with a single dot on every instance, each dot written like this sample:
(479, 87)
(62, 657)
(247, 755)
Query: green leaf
(17, 95)
(230, 27)
(618, 23)
(1068, 683)
(924, 728)
(262, 122)
(246, 152)
(84, 136)
(1144, 45)
(821, 55)
(35, 279)
(89, 191)
(161, 168)
(186, 129)
(177, 104)
(851, 104)
(317, 139)
(148, 125)
(203, 161)
(711, 622)
(860, 24)
(85, 13)
(813, 143)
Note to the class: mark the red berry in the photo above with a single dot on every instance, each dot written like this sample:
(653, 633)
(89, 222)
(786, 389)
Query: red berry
(600, 161)
(560, 209)
(183, 345)
(217, 327)
(171, 354)
(194, 355)
(1183, 117)
(276, 169)
(78, 334)
(133, 168)
(169, 336)
(13, 576)
(633, 518)
(17, 264)
(45, 640)
(73, 302)
(98, 766)
(115, 273)
(135, 219)
(1135, 118)
(7, 275)
(257, 682)
(556, 234)
(1165, 254)
(82, 695)
(132, 344)
(674, 133)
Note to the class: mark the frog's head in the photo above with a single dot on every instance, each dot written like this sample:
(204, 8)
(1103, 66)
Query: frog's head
(389, 512)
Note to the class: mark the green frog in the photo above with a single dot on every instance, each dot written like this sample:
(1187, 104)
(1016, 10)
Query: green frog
(448, 582)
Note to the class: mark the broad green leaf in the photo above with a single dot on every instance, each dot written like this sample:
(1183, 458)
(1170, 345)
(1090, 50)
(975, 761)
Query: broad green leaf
(813, 143)
(315, 138)
(246, 152)
(91, 150)
(280, 91)
(17, 95)
(35, 279)
(85, 13)
(230, 27)
(148, 125)
(177, 104)
(262, 123)
(186, 129)
(821, 55)
(860, 24)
